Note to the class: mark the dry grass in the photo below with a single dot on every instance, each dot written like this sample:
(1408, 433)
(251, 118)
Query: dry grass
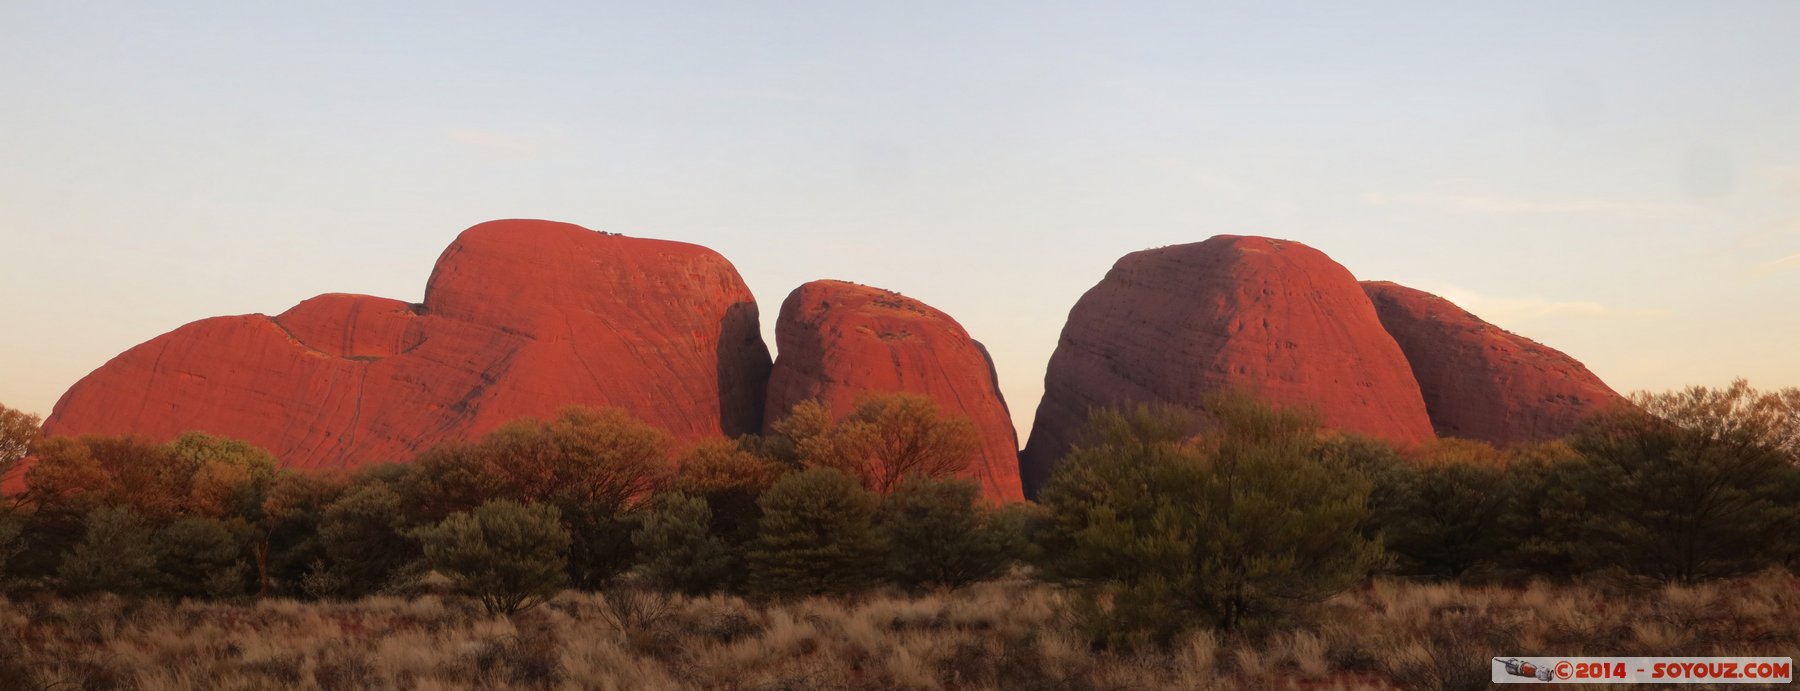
(1003, 635)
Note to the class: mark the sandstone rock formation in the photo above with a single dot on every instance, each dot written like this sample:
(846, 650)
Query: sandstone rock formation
(1273, 318)
(1481, 381)
(520, 318)
(839, 341)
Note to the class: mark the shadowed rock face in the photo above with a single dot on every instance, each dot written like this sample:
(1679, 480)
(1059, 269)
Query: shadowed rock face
(520, 318)
(839, 341)
(1481, 381)
(1178, 324)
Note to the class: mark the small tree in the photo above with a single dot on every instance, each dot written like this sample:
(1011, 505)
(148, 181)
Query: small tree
(816, 536)
(11, 542)
(1234, 528)
(17, 430)
(679, 550)
(288, 542)
(730, 480)
(510, 556)
(1442, 520)
(198, 557)
(941, 536)
(227, 478)
(594, 465)
(365, 539)
(887, 437)
(1677, 499)
(115, 555)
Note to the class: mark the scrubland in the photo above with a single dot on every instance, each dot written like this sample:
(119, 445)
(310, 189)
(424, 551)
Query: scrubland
(1013, 633)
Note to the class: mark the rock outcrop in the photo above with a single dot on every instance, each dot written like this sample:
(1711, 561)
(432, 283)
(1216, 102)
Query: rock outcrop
(520, 318)
(1481, 381)
(1178, 324)
(840, 341)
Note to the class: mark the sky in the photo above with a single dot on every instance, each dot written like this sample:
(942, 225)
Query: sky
(1618, 180)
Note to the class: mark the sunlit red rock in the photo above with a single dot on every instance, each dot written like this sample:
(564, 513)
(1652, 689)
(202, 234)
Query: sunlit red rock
(1178, 324)
(840, 341)
(520, 318)
(1481, 381)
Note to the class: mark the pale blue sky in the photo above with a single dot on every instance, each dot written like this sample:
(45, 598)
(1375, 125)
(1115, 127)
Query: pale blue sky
(1618, 180)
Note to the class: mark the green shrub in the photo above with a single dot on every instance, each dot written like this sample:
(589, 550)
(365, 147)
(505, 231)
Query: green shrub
(941, 536)
(679, 550)
(1231, 529)
(594, 466)
(816, 536)
(198, 557)
(510, 556)
(287, 543)
(114, 555)
(729, 479)
(11, 542)
(1442, 520)
(365, 540)
(1671, 499)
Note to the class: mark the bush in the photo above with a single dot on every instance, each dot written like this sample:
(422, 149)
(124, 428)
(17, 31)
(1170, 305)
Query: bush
(884, 439)
(17, 430)
(730, 480)
(1231, 529)
(510, 556)
(114, 555)
(1443, 520)
(11, 542)
(1669, 499)
(198, 557)
(816, 536)
(365, 540)
(680, 551)
(288, 541)
(594, 466)
(941, 536)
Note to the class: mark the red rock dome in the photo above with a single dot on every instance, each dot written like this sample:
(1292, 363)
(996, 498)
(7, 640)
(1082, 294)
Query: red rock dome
(1178, 324)
(1481, 381)
(520, 318)
(839, 341)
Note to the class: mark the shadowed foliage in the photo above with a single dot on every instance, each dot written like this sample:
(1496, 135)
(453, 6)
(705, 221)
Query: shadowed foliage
(508, 555)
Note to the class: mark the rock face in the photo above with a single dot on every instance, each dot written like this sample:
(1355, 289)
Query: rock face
(1483, 382)
(1269, 317)
(520, 318)
(839, 341)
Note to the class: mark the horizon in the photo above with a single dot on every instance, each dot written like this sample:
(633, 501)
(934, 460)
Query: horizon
(1630, 196)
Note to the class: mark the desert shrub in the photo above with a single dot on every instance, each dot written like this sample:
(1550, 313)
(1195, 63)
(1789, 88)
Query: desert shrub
(594, 466)
(89, 472)
(940, 535)
(11, 542)
(729, 479)
(17, 430)
(227, 478)
(287, 542)
(198, 557)
(886, 437)
(1442, 520)
(365, 540)
(679, 549)
(1674, 499)
(115, 555)
(816, 535)
(508, 555)
(1234, 528)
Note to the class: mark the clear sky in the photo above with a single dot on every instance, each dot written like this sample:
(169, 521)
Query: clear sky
(1620, 180)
